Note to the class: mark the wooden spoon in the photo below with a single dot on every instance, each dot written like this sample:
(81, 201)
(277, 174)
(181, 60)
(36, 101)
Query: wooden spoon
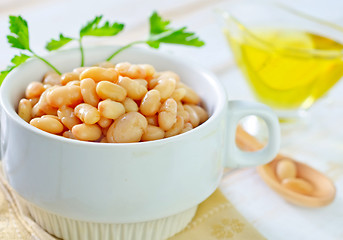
(324, 190)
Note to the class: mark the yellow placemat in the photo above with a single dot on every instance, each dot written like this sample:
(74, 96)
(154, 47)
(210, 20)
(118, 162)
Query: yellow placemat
(216, 219)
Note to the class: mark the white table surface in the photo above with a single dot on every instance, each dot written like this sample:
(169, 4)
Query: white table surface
(319, 143)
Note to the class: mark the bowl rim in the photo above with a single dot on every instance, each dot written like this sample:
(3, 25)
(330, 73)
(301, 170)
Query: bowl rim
(214, 82)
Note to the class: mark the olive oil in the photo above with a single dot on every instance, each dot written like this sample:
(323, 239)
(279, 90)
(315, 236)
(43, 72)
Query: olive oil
(288, 69)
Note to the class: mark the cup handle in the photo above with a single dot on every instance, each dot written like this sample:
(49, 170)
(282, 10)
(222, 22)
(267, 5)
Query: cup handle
(235, 156)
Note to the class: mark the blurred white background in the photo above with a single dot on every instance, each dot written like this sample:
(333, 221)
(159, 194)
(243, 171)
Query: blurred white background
(320, 146)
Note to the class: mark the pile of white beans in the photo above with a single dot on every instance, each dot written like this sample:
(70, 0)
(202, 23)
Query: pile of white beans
(109, 103)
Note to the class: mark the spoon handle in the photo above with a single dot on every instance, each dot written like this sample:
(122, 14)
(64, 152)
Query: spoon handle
(247, 142)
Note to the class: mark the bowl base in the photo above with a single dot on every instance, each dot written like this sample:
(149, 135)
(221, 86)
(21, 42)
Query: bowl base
(70, 229)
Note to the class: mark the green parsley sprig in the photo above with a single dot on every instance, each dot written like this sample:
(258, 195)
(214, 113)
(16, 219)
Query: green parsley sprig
(160, 32)
(19, 38)
(92, 28)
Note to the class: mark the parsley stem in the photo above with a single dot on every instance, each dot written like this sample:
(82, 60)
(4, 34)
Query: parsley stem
(123, 48)
(82, 53)
(48, 63)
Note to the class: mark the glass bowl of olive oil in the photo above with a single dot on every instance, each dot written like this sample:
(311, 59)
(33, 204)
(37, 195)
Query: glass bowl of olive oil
(290, 59)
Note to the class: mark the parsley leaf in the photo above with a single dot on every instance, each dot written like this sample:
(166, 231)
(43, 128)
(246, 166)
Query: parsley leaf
(157, 24)
(92, 28)
(16, 60)
(178, 36)
(160, 32)
(90, 25)
(56, 44)
(20, 33)
(19, 38)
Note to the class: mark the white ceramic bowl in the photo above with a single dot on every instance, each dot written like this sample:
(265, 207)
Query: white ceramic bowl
(124, 182)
